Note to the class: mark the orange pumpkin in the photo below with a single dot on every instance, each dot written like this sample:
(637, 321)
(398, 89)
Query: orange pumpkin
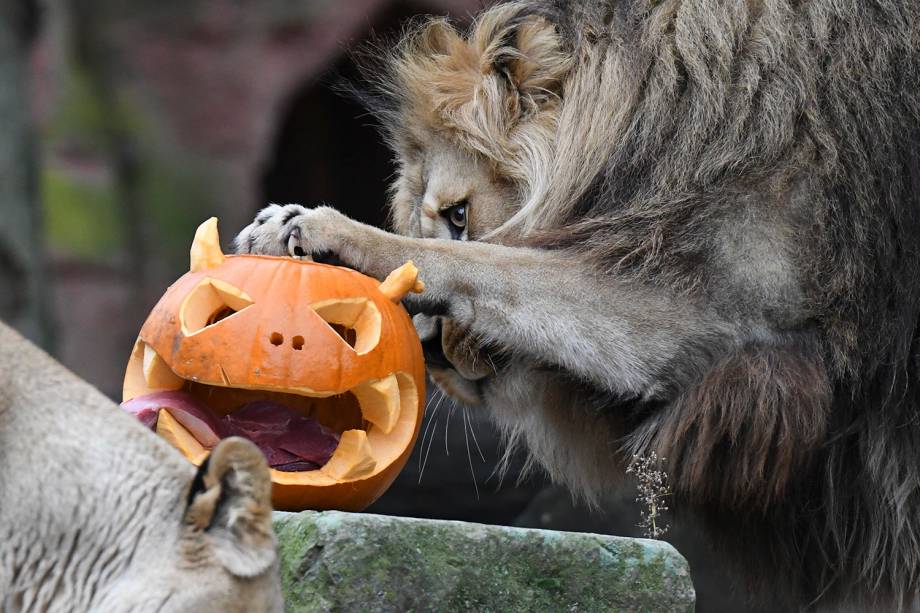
(325, 341)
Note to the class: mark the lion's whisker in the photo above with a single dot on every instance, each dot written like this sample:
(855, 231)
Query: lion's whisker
(469, 455)
(423, 457)
(473, 432)
(450, 415)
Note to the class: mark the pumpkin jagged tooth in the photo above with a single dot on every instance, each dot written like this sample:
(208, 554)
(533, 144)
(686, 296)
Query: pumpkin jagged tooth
(379, 402)
(157, 373)
(179, 437)
(352, 459)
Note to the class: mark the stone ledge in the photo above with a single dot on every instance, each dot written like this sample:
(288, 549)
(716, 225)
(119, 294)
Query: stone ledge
(333, 561)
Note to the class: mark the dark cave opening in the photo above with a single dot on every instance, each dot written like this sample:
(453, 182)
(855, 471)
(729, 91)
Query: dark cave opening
(327, 148)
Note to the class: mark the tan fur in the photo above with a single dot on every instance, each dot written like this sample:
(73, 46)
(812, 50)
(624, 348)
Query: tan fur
(484, 108)
(97, 513)
(494, 93)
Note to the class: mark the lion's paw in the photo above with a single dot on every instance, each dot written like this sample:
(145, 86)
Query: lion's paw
(295, 231)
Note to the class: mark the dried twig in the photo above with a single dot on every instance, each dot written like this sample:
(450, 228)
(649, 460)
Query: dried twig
(653, 490)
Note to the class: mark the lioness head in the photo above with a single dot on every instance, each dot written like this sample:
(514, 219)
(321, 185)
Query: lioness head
(220, 554)
(99, 514)
(469, 120)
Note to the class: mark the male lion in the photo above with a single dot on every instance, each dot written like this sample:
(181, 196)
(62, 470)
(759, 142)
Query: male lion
(682, 226)
(98, 514)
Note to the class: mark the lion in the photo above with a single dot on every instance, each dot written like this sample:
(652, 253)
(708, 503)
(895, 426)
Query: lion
(97, 513)
(674, 226)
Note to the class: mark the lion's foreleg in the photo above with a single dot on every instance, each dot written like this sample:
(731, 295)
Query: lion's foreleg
(620, 335)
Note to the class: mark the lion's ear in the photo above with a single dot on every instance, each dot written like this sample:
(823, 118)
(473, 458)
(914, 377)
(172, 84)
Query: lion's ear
(229, 505)
(527, 51)
(542, 63)
(438, 37)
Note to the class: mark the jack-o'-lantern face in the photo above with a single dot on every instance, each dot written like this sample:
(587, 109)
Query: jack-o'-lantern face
(325, 342)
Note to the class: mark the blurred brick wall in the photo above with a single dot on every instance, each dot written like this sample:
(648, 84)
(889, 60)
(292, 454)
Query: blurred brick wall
(155, 116)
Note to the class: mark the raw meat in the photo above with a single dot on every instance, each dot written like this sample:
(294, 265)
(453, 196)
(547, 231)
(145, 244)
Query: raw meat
(290, 441)
(193, 414)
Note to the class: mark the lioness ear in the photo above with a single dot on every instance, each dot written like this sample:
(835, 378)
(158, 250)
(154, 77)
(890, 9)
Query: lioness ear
(229, 506)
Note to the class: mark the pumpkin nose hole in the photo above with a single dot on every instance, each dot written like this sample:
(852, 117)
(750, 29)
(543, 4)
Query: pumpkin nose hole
(276, 339)
(297, 343)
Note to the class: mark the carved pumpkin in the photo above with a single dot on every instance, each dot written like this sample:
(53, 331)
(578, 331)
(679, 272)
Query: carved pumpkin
(326, 342)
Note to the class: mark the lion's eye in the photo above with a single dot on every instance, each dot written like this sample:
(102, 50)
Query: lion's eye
(456, 219)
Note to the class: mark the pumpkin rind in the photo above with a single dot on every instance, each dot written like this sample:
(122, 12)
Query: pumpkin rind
(335, 370)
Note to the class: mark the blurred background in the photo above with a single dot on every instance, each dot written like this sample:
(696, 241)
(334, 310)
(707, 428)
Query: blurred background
(125, 123)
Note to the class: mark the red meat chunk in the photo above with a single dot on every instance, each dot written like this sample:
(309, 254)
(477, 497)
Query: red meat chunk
(290, 441)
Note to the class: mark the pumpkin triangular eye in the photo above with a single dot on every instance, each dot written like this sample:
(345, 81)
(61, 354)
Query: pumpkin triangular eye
(355, 320)
(209, 303)
(349, 335)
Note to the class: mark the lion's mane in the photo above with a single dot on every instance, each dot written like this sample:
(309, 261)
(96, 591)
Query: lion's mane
(632, 128)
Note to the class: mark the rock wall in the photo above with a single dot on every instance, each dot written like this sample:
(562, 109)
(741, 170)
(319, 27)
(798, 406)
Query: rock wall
(335, 561)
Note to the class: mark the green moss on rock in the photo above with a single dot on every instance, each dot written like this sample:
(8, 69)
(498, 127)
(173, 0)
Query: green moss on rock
(342, 562)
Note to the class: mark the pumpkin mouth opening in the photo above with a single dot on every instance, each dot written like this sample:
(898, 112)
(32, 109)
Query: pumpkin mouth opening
(320, 436)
